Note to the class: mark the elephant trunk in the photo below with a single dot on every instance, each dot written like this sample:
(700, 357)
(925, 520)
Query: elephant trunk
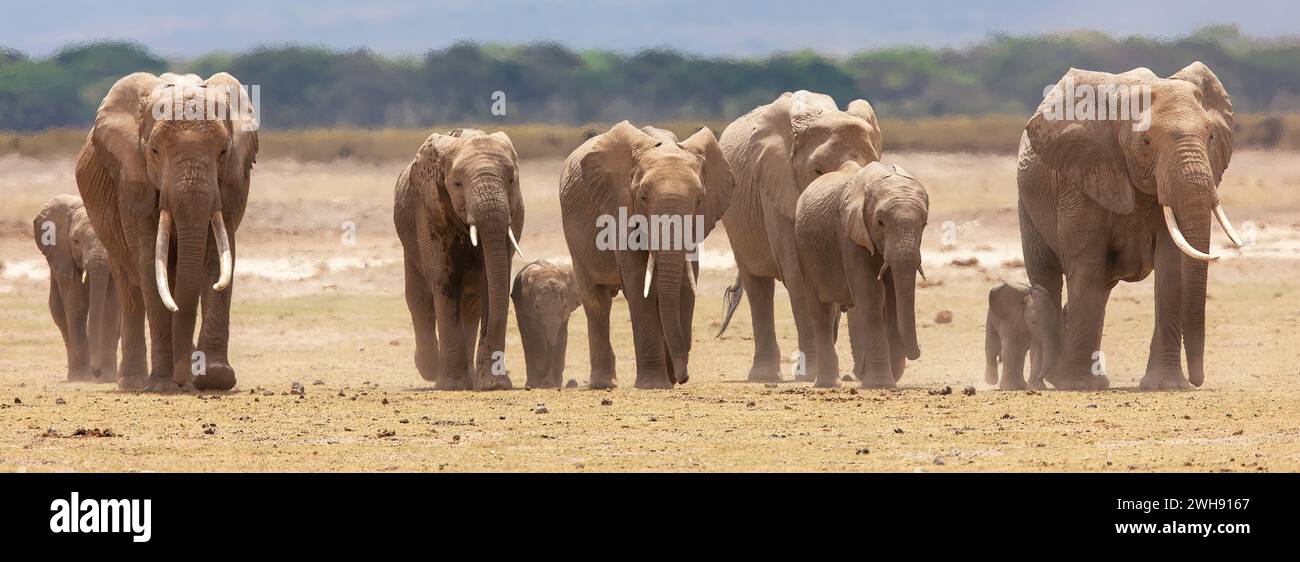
(102, 350)
(904, 262)
(492, 221)
(1189, 199)
(670, 266)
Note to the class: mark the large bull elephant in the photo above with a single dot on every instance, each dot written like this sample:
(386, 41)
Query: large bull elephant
(83, 300)
(644, 173)
(1106, 199)
(858, 233)
(775, 151)
(164, 175)
(459, 214)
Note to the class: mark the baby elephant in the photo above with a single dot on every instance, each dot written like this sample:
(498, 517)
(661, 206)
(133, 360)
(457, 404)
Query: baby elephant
(1021, 319)
(83, 300)
(544, 295)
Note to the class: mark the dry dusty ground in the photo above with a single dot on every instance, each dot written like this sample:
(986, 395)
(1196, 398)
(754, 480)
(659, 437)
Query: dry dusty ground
(310, 309)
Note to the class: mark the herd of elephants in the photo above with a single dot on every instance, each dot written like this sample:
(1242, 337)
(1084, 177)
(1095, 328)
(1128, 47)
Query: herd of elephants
(798, 184)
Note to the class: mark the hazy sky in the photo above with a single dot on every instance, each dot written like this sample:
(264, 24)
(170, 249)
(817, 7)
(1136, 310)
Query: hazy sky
(709, 27)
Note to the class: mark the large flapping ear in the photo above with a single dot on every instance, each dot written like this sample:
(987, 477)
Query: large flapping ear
(515, 193)
(1007, 300)
(860, 202)
(429, 168)
(863, 109)
(573, 297)
(607, 165)
(717, 176)
(1079, 144)
(1216, 102)
(242, 122)
(52, 228)
(122, 124)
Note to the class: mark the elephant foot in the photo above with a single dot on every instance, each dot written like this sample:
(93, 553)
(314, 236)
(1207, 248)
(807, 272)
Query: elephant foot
(219, 375)
(827, 382)
(446, 382)
(1037, 384)
(766, 373)
(80, 375)
(879, 382)
(541, 384)
(152, 383)
(1169, 380)
(492, 382)
(104, 375)
(652, 382)
(1084, 382)
(1013, 384)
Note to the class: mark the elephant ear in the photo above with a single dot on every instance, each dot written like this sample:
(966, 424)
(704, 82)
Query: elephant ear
(430, 165)
(1086, 151)
(863, 109)
(115, 159)
(1214, 99)
(607, 165)
(858, 202)
(243, 123)
(717, 176)
(59, 253)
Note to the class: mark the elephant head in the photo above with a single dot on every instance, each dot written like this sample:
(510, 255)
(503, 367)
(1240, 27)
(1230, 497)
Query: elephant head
(887, 215)
(177, 147)
(661, 179)
(76, 256)
(1174, 149)
(546, 293)
(807, 135)
(475, 175)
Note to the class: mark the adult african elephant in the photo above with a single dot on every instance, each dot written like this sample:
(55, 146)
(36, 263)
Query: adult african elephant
(459, 215)
(643, 173)
(1104, 200)
(775, 151)
(858, 236)
(164, 175)
(83, 300)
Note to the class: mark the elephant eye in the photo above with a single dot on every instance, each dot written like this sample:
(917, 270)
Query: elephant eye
(1146, 141)
(154, 150)
(818, 171)
(880, 222)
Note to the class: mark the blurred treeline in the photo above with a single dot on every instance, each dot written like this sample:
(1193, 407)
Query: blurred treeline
(932, 99)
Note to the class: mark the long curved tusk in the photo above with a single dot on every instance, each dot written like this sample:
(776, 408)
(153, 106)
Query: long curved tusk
(1177, 235)
(921, 270)
(690, 279)
(649, 273)
(223, 248)
(473, 235)
(160, 248)
(883, 268)
(515, 243)
(85, 276)
(1227, 226)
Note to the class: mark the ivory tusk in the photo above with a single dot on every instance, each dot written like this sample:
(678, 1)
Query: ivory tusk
(160, 248)
(883, 268)
(1227, 226)
(649, 273)
(921, 270)
(690, 278)
(1172, 225)
(85, 276)
(473, 235)
(515, 243)
(223, 248)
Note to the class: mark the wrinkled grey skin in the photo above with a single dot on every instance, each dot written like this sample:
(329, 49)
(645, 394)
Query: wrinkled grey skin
(858, 235)
(545, 295)
(1093, 196)
(467, 178)
(83, 299)
(1021, 319)
(775, 152)
(647, 172)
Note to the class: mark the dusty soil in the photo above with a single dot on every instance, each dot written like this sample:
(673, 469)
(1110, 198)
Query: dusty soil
(330, 316)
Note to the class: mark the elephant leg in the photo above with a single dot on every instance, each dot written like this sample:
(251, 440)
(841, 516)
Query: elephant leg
(992, 349)
(826, 369)
(454, 372)
(1013, 363)
(61, 320)
(490, 369)
(652, 370)
(1165, 364)
(75, 301)
(110, 334)
(1035, 362)
(1083, 356)
(134, 367)
(556, 371)
(596, 304)
(1043, 268)
(161, 363)
(788, 261)
(420, 301)
(214, 334)
(767, 352)
(536, 362)
(869, 324)
(897, 354)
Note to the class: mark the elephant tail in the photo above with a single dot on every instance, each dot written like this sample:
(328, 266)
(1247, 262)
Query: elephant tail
(730, 300)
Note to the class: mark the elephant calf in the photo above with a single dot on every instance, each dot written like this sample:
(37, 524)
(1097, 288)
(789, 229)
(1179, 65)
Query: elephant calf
(858, 235)
(1021, 319)
(545, 295)
(83, 300)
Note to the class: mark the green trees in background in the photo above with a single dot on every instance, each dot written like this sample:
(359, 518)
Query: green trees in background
(304, 86)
